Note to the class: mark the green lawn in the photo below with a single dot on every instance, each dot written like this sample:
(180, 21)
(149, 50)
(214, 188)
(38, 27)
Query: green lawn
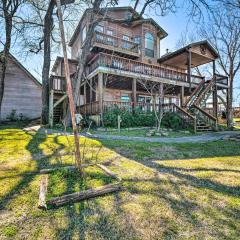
(172, 191)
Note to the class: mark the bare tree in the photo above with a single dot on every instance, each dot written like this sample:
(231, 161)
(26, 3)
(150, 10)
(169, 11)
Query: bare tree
(8, 10)
(223, 32)
(157, 92)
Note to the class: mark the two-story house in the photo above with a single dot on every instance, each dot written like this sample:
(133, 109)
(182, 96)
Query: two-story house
(123, 54)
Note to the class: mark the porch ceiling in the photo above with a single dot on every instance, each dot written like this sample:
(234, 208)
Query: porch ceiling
(180, 61)
(125, 83)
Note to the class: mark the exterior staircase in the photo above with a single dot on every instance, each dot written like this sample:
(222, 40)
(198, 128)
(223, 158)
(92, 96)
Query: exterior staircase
(195, 106)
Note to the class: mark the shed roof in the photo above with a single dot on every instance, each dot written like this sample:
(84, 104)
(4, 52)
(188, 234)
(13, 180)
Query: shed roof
(23, 69)
(202, 53)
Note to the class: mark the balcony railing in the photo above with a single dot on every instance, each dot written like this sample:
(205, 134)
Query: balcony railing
(57, 83)
(115, 43)
(94, 107)
(141, 69)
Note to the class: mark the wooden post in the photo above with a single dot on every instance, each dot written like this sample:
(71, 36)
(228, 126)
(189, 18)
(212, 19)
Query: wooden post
(215, 98)
(91, 94)
(134, 92)
(85, 96)
(69, 87)
(189, 62)
(229, 122)
(100, 94)
(119, 123)
(182, 96)
(51, 108)
(43, 192)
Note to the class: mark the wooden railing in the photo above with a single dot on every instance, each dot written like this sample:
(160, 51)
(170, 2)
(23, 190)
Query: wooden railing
(116, 42)
(89, 108)
(205, 91)
(57, 83)
(205, 116)
(94, 108)
(189, 120)
(193, 95)
(141, 69)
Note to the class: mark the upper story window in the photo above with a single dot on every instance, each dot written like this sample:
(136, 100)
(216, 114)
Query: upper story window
(84, 33)
(99, 28)
(137, 39)
(126, 44)
(149, 45)
(110, 39)
(109, 32)
(125, 37)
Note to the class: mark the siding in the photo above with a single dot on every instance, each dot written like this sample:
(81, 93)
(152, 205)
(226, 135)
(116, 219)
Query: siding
(21, 93)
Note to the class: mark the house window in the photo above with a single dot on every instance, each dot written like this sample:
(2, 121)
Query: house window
(125, 97)
(84, 33)
(126, 44)
(137, 39)
(99, 28)
(149, 45)
(110, 39)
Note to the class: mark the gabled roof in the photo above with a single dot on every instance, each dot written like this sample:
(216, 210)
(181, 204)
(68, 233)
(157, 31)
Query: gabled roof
(154, 23)
(128, 8)
(60, 59)
(23, 69)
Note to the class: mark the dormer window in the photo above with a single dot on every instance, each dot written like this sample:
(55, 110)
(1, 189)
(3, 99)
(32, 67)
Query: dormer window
(149, 45)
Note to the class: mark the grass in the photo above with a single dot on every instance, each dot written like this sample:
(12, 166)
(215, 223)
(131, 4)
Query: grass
(172, 191)
(66, 181)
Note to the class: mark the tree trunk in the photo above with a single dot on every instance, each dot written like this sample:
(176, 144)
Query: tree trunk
(48, 25)
(5, 54)
(230, 100)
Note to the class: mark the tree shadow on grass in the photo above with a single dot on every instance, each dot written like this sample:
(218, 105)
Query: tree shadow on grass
(37, 155)
(87, 218)
(185, 178)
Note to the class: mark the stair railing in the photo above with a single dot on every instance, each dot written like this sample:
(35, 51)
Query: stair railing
(193, 94)
(205, 116)
(205, 91)
(189, 119)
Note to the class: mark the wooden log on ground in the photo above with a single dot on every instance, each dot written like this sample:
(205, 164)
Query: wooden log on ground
(109, 172)
(49, 170)
(91, 193)
(43, 192)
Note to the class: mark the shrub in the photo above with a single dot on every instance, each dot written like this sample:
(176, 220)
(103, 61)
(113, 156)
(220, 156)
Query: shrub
(13, 115)
(129, 119)
(172, 120)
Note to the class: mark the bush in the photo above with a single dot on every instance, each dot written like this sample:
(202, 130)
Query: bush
(172, 120)
(12, 116)
(129, 119)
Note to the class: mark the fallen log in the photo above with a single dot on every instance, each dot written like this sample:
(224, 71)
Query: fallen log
(49, 170)
(109, 172)
(91, 193)
(43, 192)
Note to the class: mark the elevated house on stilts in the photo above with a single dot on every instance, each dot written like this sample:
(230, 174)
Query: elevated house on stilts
(121, 55)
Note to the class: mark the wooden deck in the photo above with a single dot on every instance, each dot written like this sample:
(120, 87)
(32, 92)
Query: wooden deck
(116, 65)
(115, 44)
